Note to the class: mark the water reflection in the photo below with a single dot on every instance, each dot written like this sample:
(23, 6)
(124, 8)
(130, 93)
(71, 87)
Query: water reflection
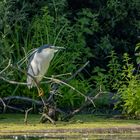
(77, 137)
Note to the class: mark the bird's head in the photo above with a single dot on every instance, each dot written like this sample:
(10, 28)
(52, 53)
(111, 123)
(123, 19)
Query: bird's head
(56, 48)
(50, 48)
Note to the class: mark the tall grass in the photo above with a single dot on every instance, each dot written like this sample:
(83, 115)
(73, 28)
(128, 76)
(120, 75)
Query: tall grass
(46, 29)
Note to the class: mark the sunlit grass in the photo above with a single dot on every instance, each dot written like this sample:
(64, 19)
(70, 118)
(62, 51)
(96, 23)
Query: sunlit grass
(16, 122)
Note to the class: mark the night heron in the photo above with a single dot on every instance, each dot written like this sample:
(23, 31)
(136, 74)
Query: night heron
(39, 63)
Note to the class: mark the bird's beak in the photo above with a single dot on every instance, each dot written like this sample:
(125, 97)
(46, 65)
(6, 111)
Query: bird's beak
(57, 47)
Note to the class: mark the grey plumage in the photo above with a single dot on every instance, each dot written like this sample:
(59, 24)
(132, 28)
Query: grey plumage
(39, 63)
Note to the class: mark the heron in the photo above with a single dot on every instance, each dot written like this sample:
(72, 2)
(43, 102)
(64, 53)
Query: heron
(39, 63)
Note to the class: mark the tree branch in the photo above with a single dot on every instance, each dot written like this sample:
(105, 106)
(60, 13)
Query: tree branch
(26, 115)
(4, 105)
(23, 99)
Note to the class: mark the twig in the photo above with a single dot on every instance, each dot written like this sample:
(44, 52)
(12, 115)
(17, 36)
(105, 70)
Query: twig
(60, 75)
(15, 108)
(19, 83)
(26, 115)
(44, 117)
(4, 105)
(12, 82)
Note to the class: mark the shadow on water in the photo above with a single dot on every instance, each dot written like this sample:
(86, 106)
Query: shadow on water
(75, 137)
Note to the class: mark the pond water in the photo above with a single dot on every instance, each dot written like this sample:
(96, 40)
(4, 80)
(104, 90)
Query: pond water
(73, 137)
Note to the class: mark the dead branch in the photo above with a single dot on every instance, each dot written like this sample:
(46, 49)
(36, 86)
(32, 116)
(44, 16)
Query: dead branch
(4, 105)
(55, 85)
(26, 115)
(26, 99)
(10, 107)
(23, 99)
(12, 82)
(45, 116)
(15, 108)
(19, 83)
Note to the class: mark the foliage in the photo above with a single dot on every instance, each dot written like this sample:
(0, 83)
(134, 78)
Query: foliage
(137, 54)
(99, 31)
(69, 98)
(114, 71)
(47, 29)
(129, 89)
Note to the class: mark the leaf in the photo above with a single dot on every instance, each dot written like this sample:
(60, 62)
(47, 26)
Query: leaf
(138, 60)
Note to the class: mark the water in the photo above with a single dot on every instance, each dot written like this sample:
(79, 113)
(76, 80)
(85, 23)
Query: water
(72, 137)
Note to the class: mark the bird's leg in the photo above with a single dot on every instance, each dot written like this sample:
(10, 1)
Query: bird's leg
(40, 92)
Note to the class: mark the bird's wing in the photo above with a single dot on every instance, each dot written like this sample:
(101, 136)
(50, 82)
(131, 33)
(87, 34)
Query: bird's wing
(31, 57)
(33, 66)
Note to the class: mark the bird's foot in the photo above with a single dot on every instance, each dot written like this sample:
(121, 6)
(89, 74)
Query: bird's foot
(40, 92)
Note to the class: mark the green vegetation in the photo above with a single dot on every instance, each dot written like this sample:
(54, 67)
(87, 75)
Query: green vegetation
(15, 122)
(104, 32)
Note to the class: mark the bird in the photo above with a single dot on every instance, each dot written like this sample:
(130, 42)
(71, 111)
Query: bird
(38, 64)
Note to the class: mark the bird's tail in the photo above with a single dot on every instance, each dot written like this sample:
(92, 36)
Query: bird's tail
(30, 82)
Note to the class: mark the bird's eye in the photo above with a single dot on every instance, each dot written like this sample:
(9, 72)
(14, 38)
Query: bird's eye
(51, 47)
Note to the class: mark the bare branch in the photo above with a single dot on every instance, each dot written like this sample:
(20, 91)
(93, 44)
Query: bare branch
(60, 75)
(7, 106)
(15, 108)
(12, 82)
(26, 115)
(24, 99)
(19, 83)
(44, 117)
(4, 105)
